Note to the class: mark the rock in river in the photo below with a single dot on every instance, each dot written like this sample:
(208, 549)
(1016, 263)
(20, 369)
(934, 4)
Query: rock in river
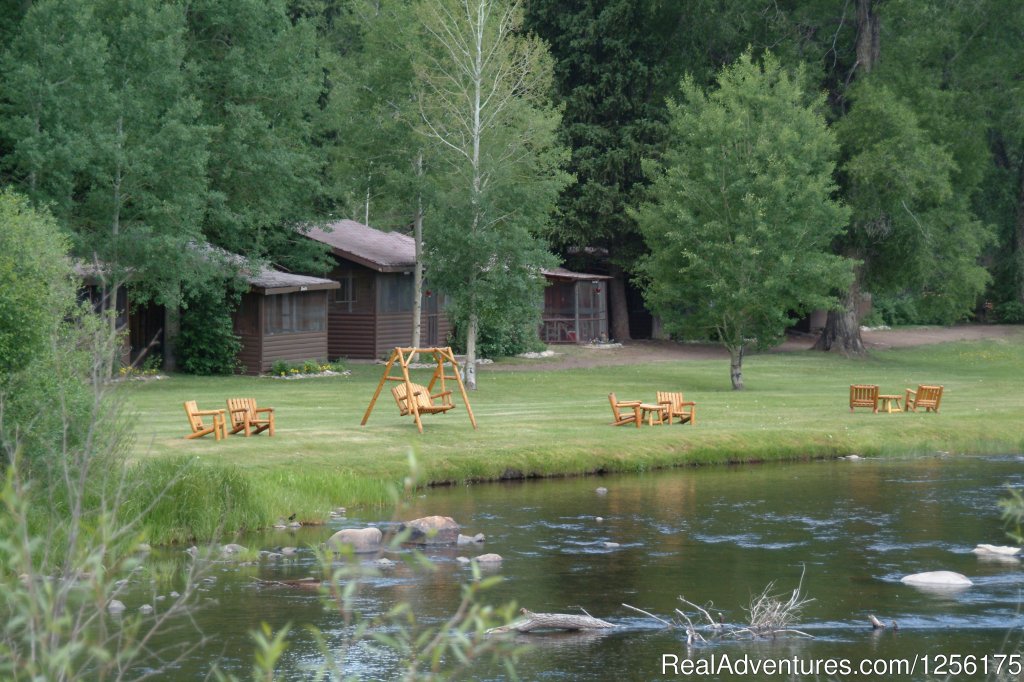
(360, 539)
(937, 579)
(433, 530)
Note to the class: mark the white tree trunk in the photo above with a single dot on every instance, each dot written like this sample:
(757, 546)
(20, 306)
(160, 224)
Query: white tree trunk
(417, 272)
(736, 367)
(471, 330)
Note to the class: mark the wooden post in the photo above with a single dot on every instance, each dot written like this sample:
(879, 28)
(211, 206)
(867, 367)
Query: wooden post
(376, 394)
(462, 387)
(414, 405)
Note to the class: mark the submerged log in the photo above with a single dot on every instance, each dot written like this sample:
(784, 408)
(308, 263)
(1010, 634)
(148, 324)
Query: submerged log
(552, 621)
(301, 583)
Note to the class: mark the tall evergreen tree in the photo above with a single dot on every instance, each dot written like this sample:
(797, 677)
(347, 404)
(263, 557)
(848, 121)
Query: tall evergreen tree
(607, 55)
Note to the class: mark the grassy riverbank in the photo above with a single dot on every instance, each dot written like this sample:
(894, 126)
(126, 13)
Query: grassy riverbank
(546, 422)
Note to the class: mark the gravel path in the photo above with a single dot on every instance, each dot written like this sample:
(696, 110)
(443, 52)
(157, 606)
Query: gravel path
(635, 352)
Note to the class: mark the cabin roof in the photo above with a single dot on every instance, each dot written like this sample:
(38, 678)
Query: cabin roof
(367, 246)
(269, 281)
(562, 273)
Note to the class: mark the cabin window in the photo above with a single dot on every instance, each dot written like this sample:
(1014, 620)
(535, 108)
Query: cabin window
(294, 313)
(345, 295)
(395, 294)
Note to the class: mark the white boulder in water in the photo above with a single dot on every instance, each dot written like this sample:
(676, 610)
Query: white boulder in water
(937, 579)
(360, 539)
(1001, 550)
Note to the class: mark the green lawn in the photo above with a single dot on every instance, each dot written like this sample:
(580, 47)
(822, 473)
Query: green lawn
(555, 422)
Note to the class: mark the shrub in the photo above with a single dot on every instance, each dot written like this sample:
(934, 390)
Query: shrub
(1010, 312)
(43, 369)
(208, 344)
(36, 286)
(894, 311)
(282, 368)
(66, 539)
(502, 340)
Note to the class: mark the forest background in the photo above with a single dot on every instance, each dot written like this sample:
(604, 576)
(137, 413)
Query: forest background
(145, 128)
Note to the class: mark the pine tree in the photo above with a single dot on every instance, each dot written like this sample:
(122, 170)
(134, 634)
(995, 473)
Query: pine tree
(607, 55)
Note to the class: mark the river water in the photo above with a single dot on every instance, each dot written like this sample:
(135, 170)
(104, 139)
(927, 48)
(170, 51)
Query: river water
(714, 534)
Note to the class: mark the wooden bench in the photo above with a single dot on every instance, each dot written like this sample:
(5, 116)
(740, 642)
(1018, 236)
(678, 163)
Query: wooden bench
(685, 410)
(631, 417)
(864, 395)
(424, 401)
(245, 417)
(927, 397)
(199, 427)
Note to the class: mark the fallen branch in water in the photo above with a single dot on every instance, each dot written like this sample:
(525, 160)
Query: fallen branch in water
(769, 616)
(552, 621)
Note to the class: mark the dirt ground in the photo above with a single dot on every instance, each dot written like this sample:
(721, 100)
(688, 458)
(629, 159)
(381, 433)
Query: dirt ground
(635, 352)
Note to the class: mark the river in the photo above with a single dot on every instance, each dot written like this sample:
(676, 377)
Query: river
(716, 535)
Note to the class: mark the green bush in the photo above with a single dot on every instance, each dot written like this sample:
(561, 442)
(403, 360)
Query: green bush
(501, 340)
(44, 366)
(282, 368)
(36, 286)
(893, 311)
(208, 344)
(1010, 312)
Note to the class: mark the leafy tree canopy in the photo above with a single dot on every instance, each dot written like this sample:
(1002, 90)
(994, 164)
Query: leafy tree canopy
(742, 213)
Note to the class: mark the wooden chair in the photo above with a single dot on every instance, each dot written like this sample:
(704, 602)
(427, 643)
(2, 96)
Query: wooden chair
(199, 427)
(622, 419)
(864, 395)
(927, 397)
(685, 410)
(245, 417)
(424, 401)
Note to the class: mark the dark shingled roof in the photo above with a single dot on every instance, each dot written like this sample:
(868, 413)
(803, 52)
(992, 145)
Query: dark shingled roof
(271, 281)
(265, 281)
(380, 251)
(562, 273)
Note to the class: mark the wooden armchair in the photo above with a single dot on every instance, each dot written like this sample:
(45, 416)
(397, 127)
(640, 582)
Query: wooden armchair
(927, 397)
(622, 419)
(424, 401)
(864, 395)
(245, 417)
(685, 410)
(199, 427)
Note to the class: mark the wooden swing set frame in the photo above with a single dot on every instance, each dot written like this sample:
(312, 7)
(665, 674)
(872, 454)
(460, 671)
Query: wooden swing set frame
(415, 399)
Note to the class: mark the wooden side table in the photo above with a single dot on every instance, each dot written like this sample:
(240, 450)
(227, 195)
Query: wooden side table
(890, 403)
(648, 410)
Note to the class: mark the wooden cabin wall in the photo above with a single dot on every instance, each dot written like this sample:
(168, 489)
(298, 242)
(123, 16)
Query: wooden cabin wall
(359, 326)
(146, 333)
(351, 324)
(299, 345)
(248, 325)
(294, 348)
